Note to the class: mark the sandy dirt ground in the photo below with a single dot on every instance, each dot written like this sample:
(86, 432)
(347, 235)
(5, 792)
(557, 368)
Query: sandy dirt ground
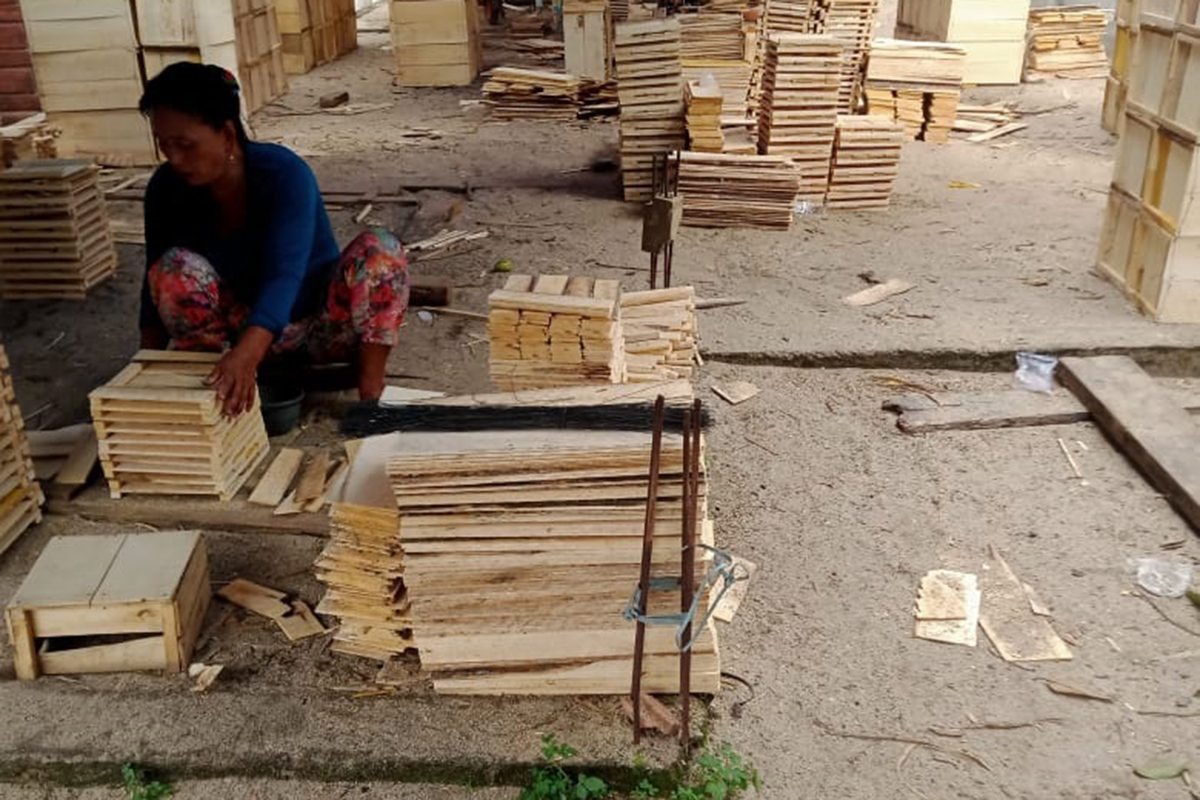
(811, 480)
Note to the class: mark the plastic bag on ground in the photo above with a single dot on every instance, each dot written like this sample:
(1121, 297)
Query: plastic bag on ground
(1162, 577)
(1035, 372)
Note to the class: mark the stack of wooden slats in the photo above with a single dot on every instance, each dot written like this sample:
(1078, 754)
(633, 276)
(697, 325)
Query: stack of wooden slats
(916, 83)
(851, 22)
(650, 89)
(55, 239)
(436, 42)
(1067, 42)
(733, 76)
(260, 53)
(1150, 245)
(522, 548)
(555, 330)
(991, 31)
(738, 191)
(704, 103)
(710, 34)
(20, 496)
(799, 105)
(316, 32)
(532, 94)
(660, 330)
(161, 430)
(1116, 87)
(866, 161)
(791, 16)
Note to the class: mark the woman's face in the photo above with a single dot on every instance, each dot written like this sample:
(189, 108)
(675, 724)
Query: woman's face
(198, 153)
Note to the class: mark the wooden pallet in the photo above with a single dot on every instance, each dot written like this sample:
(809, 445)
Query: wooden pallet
(161, 430)
(866, 161)
(650, 90)
(20, 495)
(734, 190)
(142, 596)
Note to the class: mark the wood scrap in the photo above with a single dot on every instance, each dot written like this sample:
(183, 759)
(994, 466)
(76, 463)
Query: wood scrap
(1058, 687)
(1018, 634)
(300, 622)
(947, 608)
(254, 597)
(275, 482)
(878, 293)
(736, 392)
(1003, 130)
(204, 675)
(655, 715)
(312, 480)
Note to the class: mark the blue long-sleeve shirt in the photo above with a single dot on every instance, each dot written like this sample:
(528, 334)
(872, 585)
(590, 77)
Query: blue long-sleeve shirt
(279, 265)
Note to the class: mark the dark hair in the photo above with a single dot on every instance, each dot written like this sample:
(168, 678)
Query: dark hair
(205, 91)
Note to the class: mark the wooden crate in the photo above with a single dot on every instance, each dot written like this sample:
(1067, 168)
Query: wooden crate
(991, 31)
(436, 42)
(316, 32)
(161, 430)
(141, 595)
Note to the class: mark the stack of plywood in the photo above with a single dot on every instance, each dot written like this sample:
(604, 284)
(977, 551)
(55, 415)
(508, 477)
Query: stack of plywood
(436, 42)
(1117, 85)
(710, 34)
(660, 329)
(20, 495)
(866, 161)
(738, 191)
(555, 330)
(991, 31)
(704, 103)
(532, 94)
(733, 77)
(315, 32)
(55, 239)
(587, 39)
(1067, 42)
(161, 430)
(917, 83)
(1150, 245)
(260, 53)
(85, 56)
(852, 22)
(799, 100)
(522, 549)
(650, 90)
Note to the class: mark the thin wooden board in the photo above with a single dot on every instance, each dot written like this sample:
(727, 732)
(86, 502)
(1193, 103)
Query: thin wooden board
(277, 479)
(300, 622)
(1145, 422)
(736, 392)
(253, 597)
(149, 567)
(68, 571)
(1005, 616)
(947, 610)
(878, 293)
(312, 480)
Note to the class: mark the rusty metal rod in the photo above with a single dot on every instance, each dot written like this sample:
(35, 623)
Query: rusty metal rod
(639, 642)
(691, 514)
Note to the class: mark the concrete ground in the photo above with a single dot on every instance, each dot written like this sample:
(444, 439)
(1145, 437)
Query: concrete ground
(811, 480)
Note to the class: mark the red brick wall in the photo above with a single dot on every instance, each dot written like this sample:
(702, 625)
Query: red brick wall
(18, 89)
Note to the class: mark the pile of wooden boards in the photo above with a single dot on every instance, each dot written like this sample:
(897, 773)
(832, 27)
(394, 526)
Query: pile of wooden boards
(650, 90)
(917, 83)
(31, 137)
(259, 53)
(1116, 86)
(20, 495)
(516, 93)
(436, 42)
(161, 430)
(1150, 244)
(799, 105)
(587, 38)
(555, 330)
(55, 239)
(704, 101)
(712, 34)
(991, 31)
(1067, 42)
(660, 332)
(733, 77)
(315, 32)
(866, 161)
(521, 551)
(987, 121)
(738, 191)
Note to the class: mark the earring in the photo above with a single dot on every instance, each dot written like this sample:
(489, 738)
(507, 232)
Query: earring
(231, 158)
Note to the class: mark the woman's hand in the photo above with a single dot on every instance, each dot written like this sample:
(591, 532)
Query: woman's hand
(236, 375)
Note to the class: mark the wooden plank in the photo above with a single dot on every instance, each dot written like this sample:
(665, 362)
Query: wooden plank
(277, 480)
(79, 466)
(69, 571)
(300, 623)
(138, 654)
(149, 567)
(20, 633)
(1009, 622)
(312, 481)
(1145, 423)
(253, 597)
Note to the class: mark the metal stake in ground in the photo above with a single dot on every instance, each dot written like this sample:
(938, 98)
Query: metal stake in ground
(639, 642)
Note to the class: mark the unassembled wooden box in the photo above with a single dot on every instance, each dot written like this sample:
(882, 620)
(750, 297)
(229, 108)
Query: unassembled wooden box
(142, 596)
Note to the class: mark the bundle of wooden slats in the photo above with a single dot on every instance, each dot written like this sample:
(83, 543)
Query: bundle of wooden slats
(650, 89)
(660, 329)
(316, 32)
(1067, 42)
(555, 330)
(55, 239)
(916, 83)
(733, 77)
(866, 161)
(851, 22)
(992, 32)
(20, 496)
(532, 94)
(522, 549)
(799, 105)
(704, 103)
(791, 16)
(711, 34)
(161, 429)
(738, 191)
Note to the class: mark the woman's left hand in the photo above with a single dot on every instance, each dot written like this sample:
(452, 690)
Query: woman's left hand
(236, 375)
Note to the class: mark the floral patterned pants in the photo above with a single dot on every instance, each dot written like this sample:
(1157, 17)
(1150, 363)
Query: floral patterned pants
(368, 296)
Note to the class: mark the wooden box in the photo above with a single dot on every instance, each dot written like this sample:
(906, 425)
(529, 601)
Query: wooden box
(142, 596)
(991, 31)
(161, 430)
(436, 42)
